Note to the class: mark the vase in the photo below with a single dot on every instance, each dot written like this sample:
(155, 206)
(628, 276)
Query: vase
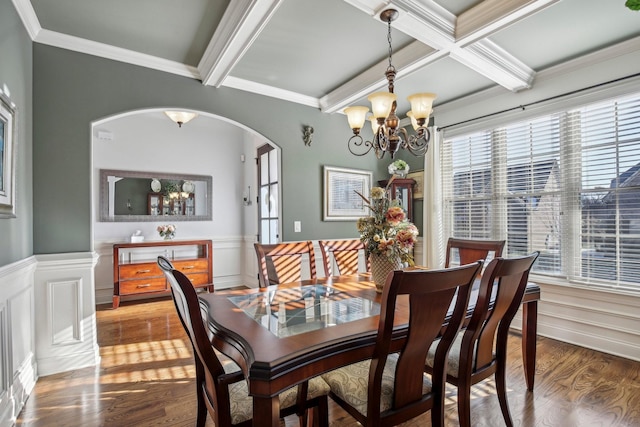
(169, 236)
(381, 266)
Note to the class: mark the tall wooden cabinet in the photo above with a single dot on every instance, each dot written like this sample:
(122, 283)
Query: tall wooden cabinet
(136, 271)
(401, 189)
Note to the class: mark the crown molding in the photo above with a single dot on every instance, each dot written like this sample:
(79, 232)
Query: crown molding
(273, 92)
(242, 22)
(90, 47)
(28, 16)
(594, 59)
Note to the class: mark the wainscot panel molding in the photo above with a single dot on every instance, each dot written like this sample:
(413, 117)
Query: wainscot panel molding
(66, 337)
(18, 366)
(599, 319)
(250, 262)
(227, 266)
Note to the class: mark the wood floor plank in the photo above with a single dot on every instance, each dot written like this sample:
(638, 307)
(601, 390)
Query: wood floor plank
(146, 378)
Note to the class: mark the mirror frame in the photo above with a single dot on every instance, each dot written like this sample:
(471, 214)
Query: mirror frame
(104, 196)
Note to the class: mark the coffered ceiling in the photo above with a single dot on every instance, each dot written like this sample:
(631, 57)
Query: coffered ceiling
(332, 53)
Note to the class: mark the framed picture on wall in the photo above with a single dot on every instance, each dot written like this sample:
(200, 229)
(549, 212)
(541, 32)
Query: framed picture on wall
(7, 157)
(418, 188)
(340, 200)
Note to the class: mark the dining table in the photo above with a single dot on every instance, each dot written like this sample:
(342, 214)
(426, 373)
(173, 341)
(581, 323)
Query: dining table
(285, 334)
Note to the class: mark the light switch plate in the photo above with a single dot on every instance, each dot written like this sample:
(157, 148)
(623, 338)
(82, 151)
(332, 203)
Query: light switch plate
(297, 226)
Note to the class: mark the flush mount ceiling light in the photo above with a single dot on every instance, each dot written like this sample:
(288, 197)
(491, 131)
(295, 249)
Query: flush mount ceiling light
(180, 117)
(387, 137)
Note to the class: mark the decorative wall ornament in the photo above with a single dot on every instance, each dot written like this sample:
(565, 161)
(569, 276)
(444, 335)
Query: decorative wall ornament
(307, 135)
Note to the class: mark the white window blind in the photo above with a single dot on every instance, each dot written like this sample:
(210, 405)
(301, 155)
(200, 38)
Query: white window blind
(565, 184)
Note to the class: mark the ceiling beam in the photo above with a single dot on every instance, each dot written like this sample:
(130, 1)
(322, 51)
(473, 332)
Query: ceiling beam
(242, 22)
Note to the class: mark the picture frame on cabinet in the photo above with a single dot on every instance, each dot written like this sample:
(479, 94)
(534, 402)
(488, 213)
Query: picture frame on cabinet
(418, 188)
(7, 157)
(341, 202)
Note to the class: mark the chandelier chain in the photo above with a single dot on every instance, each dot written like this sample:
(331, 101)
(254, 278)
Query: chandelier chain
(391, 67)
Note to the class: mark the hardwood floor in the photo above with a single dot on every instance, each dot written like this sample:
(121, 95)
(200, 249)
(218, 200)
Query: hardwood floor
(146, 378)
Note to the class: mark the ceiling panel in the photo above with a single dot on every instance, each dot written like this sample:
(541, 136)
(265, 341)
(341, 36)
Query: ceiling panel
(174, 30)
(568, 30)
(312, 47)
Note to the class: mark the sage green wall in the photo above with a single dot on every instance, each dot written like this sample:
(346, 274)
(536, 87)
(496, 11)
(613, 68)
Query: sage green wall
(72, 89)
(16, 234)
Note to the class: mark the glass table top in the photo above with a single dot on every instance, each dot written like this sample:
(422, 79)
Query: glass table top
(291, 311)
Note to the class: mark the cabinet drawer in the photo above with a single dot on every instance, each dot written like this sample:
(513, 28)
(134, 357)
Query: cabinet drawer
(142, 286)
(189, 265)
(198, 278)
(140, 271)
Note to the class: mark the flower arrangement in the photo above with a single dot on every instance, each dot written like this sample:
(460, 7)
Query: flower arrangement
(399, 167)
(387, 231)
(167, 231)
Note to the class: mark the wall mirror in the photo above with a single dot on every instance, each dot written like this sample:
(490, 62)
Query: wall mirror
(127, 196)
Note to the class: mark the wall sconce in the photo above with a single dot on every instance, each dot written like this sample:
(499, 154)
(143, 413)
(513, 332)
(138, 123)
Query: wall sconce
(180, 117)
(307, 135)
(246, 197)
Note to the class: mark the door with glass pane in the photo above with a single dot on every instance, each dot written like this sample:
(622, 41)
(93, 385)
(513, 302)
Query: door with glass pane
(269, 198)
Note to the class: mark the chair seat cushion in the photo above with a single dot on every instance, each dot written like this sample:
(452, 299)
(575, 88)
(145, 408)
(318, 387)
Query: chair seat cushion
(453, 367)
(242, 403)
(351, 384)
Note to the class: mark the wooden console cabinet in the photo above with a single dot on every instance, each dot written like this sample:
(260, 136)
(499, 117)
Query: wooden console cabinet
(136, 271)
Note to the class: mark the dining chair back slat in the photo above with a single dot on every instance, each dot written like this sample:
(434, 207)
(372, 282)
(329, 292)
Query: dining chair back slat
(470, 250)
(346, 255)
(282, 262)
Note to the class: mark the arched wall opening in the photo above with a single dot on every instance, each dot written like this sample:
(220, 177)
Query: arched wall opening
(148, 141)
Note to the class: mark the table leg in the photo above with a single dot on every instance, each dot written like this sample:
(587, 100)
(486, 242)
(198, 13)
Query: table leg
(529, 335)
(266, 412)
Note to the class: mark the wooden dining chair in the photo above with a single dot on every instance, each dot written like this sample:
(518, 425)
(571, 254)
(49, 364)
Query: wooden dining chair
(282, 262)
(391, 387)
(480, 350)
(221, 386)
(470, 250)
(345, 254)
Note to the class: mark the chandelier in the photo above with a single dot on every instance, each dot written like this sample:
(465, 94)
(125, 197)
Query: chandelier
(387, 136)
(180, 117)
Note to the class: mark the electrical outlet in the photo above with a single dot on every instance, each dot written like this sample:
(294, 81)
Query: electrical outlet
(297, 226)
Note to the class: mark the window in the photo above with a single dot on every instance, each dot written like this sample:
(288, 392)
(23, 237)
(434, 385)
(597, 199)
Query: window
(566, 184)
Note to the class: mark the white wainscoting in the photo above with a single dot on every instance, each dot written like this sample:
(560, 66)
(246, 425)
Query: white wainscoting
(66, 337)
(599, 319)
(18, 366)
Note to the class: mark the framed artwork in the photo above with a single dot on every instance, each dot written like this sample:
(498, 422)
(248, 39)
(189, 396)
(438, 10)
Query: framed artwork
(7, 158)
(418, 188)
(341, 203)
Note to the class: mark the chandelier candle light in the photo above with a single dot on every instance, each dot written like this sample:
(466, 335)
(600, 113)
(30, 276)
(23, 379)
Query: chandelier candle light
(387, 136)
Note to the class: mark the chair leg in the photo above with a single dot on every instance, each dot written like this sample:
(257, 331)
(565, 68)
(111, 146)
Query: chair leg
(202, 407)
(501, 389)
(464, 404)
(321, 418)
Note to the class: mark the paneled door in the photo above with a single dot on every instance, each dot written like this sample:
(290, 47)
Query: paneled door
(268, 197)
